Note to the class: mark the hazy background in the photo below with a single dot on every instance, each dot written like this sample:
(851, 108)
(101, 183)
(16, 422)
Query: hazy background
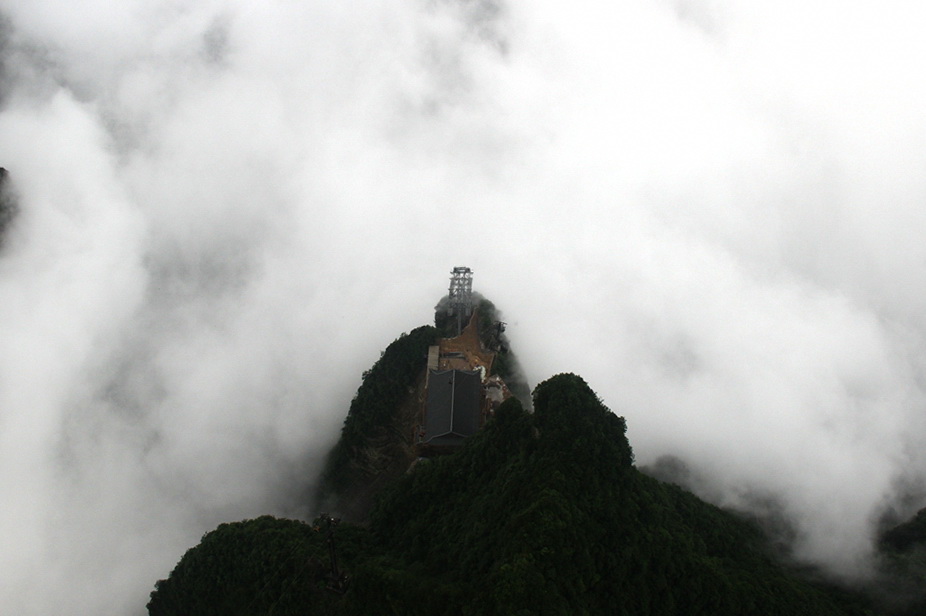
(712, 211)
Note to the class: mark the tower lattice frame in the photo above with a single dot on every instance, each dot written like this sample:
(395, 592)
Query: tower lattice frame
(461, 294)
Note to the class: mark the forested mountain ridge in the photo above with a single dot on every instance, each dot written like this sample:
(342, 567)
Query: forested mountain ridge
(376, 443)
(902, 587)
(539, 513)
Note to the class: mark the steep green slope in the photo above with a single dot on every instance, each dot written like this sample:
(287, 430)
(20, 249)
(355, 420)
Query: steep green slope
(545, 514)
(243, 568)
(540, 513)
(375, 441)
(376, 444)
(902, 588)
(908, 535)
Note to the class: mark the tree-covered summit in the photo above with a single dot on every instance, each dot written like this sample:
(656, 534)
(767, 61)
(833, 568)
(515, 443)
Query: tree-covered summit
(377, 444)
(539, 513)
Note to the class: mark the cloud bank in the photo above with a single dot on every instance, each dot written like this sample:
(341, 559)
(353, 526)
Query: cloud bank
(710, 211)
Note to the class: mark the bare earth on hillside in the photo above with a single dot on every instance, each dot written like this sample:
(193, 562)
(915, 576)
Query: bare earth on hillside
(465, 352)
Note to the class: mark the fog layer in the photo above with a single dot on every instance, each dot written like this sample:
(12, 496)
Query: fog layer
(711, 211)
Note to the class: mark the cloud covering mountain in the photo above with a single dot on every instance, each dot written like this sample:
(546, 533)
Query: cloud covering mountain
(712, 212)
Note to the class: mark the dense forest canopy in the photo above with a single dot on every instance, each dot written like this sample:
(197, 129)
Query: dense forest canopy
(540, 513)
(374, 442)
(376, 445)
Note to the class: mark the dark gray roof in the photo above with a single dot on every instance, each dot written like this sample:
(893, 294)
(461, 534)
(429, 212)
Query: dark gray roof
(453, 406)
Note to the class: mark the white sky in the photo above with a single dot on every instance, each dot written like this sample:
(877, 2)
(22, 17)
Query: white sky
(712, 211)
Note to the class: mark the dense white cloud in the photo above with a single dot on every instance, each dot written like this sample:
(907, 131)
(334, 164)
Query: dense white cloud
(711, 211)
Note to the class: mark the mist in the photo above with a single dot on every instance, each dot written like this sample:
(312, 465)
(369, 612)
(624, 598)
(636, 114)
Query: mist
(710, 211)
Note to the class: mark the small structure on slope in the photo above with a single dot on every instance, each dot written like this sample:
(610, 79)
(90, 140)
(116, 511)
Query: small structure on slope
(454, 407)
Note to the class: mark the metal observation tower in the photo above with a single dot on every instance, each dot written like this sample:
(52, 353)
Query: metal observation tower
(461, 294)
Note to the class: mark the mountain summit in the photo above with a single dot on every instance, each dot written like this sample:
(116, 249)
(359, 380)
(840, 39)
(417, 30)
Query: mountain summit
(538, 509)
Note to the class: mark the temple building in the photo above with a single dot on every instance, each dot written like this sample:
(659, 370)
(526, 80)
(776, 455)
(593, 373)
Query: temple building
(454, 407)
